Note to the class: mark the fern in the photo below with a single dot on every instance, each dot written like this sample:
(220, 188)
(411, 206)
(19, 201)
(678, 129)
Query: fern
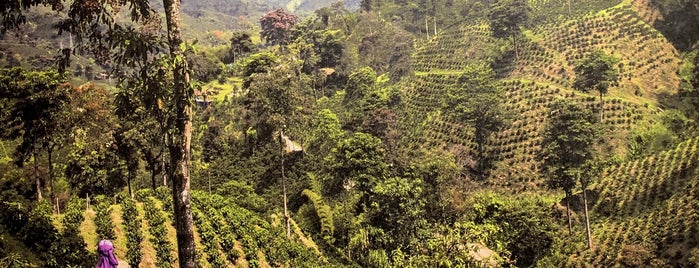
(324, 212)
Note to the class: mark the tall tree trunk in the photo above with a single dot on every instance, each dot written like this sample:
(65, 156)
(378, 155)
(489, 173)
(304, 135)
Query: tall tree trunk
(570, 223)
(164, 169)
(129, 178)
(601, 107)
(37, 180)
(153, 170)
(587, 220)
(179, 147)
(286, 212)
(49, 151)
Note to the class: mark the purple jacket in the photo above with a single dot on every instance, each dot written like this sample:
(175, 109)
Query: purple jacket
(105, 250)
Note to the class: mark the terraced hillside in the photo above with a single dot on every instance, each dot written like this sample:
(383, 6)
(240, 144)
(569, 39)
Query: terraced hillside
(226, 235)
(539, 73)
(647, 207)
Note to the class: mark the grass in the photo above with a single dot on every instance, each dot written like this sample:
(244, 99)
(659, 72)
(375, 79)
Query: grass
(88, 230)
(120, 242)
(220, 91)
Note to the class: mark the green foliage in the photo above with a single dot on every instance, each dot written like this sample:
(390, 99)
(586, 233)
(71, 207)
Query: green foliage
(507, 16)
(324, 213)
(164, 194)
(366, 92)
(568, 143)
(597, 71)
(209, 239)
(357, 160)
(398, 207)
(159, 235)
(383, 46)
(241, 45)
(31, 106)
(229, 221)
(143, 194)
(327, 44)
(520, 228)
(256, 64)
(205, 66)
(326, 133)
(134, 236)
(32, 228)
(73, 215)
(103, 219)
(477, 100)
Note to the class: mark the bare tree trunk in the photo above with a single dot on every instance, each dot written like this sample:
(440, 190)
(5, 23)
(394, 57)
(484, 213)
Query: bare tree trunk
(570, 223)
(180, 144)
(163, 169)
(129, 178)
(37, 180)
(435, 25)
(152, 177)
(427, 29)
(587, 220)
(601, 107)
(286, 212)
(49, 151)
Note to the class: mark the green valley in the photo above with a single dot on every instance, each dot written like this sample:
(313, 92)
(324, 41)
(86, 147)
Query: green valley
(372, 133)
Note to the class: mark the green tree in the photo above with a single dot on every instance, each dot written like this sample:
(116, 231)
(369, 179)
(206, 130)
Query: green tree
(326, 133)
(597, 71)
(397, 206)
(365, 92)
(358, 162)
(31, 102)
(507, 17)
(328, 44)
(92, 164)
(475, 99)
(568, 146)
(241, 45)
(94, 23)
(130, 45)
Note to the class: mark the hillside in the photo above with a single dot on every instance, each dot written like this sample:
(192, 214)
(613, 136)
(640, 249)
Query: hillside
(432, 133)
(226, 234)
(541, 73)
(647, 207)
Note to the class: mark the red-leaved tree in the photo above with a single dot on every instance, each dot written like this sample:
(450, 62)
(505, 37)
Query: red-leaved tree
(276, 26)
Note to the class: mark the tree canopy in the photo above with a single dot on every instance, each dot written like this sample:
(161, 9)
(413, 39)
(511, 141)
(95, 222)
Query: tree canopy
(276, 26)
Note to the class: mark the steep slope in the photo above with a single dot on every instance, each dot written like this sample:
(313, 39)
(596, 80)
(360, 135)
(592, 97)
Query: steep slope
(647, 211)
(539, 73)
(226, 234)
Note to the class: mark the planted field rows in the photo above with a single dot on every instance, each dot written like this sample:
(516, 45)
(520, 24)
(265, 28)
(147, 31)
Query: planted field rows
(549, 52)
(515, 147)
(536, 74)
(454, 49)
(226, 234)
(620, 32)
(650, 203)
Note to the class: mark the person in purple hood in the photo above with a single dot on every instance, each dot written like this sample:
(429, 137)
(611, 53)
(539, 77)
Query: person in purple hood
(105, 250)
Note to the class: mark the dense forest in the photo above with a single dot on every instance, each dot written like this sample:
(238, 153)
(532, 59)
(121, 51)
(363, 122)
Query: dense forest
(372, 133)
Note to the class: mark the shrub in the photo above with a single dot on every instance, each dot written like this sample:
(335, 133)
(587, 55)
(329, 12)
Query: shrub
(133, 232)
(103, 219)
(163, 247)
